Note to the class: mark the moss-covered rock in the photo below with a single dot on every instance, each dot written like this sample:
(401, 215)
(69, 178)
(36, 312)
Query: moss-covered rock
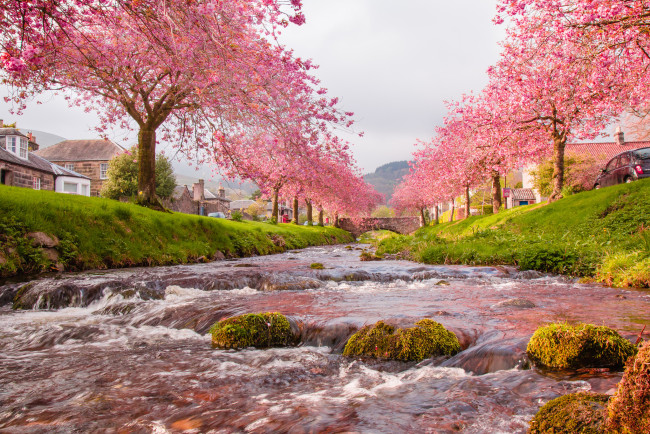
(629, 408)
(574, 413)
(564, 346)
(383, 341)
(261, 330)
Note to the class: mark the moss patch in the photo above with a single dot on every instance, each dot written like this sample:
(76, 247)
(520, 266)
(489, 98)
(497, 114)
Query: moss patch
(260, 330)
(629, 409)
(574, 413)
(383, 341)
(563, 346)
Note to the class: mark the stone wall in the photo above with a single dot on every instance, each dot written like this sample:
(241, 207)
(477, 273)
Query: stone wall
(89, 169)
(20, 176)
(401, 225)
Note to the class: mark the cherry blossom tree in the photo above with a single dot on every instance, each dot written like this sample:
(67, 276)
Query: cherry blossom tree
(201, 72)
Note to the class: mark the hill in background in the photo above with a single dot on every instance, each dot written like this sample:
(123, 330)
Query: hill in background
(387, 177)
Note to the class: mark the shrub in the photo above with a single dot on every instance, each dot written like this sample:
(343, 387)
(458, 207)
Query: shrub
(317, 266)
(384, 341)
(261, 330)
(629, 408)
(574, 413)
(563, 346)
(236, 216)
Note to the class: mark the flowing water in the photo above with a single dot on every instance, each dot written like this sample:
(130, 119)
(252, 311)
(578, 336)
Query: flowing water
(128, 351)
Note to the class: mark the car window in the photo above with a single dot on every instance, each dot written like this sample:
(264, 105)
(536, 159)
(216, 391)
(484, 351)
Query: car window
(642, 154)
(613, 164)
(625, 160)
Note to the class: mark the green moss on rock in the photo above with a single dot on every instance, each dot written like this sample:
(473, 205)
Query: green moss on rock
(563, 346)
(629, 408)
(574, 413)
(260, 330)
(383, 341)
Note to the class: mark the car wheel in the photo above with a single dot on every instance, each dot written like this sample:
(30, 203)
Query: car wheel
(597, 187)
(628, 180)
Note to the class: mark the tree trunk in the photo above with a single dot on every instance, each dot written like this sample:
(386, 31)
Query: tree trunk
(467, 198)
(310, 212)
(436, 215)
(496, 192)
(147, 167)
(321, 218)
(295, 211)
(422, 219)
(559, 144)
(453, 208)
(336, 220)
(274, 212)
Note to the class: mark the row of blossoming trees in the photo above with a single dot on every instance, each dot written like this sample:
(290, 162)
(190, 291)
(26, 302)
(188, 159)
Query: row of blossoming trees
(567, 69)
(207, 75)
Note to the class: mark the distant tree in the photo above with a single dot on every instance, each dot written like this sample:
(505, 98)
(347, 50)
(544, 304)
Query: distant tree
(123, 176)
(383, 212)
(256, 195)
(255, 210)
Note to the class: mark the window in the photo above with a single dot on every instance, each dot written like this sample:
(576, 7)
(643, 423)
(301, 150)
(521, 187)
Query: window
(23, 147)
(11, 144)
(625, 160)
(69, 187)
(69, 166)
(613, 164)
(17, 145)
(103, 171)
(36, 182)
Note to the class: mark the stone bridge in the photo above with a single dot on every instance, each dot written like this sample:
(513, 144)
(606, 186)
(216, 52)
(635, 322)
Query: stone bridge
(401, 225)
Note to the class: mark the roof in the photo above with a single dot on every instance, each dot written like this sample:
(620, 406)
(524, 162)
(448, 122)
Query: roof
(241, 204)
(179, 190)
(603, 151)
(62, 171)
(35, 162)
(523, 194)
(10, 132)
(81, 150)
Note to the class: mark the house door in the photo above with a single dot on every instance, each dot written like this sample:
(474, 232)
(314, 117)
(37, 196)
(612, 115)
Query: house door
(5, 177)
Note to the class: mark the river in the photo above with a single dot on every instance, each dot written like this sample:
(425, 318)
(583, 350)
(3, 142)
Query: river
(127, 351)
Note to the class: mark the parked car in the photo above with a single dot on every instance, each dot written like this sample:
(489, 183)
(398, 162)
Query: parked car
(218, 215)
(627, 166)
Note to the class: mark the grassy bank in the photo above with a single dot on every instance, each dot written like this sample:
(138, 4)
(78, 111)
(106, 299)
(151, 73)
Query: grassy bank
(602, 234)
(102, 233)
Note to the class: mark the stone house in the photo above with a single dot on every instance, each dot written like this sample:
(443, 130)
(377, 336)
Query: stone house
(86, 157)
(200, 200)
(21, 167)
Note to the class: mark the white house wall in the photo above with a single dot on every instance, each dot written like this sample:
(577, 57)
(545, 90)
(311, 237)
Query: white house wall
(79, 182)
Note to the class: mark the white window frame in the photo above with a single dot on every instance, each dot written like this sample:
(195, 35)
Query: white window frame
(36, 183)
(69, 166)
(24, 148)
(103, 170)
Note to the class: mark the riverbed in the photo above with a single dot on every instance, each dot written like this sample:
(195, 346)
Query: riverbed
(128, 350)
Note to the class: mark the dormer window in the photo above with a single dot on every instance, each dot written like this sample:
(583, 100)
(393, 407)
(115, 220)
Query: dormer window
(17, 145)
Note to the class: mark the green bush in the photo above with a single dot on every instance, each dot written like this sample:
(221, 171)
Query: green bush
(261, 330)
(569, 414)
(629, 408)
(427, 339)
(236, 216)
(563, 346)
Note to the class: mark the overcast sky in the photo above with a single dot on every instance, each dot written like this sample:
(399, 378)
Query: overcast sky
(391, 63)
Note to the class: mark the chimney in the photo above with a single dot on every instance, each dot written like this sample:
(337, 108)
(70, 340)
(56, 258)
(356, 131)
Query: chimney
(198, 190)
(620, 136)
(222, 191)
(2, 123)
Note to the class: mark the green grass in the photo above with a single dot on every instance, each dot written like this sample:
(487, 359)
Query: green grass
(601, 234)
(103, 233)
